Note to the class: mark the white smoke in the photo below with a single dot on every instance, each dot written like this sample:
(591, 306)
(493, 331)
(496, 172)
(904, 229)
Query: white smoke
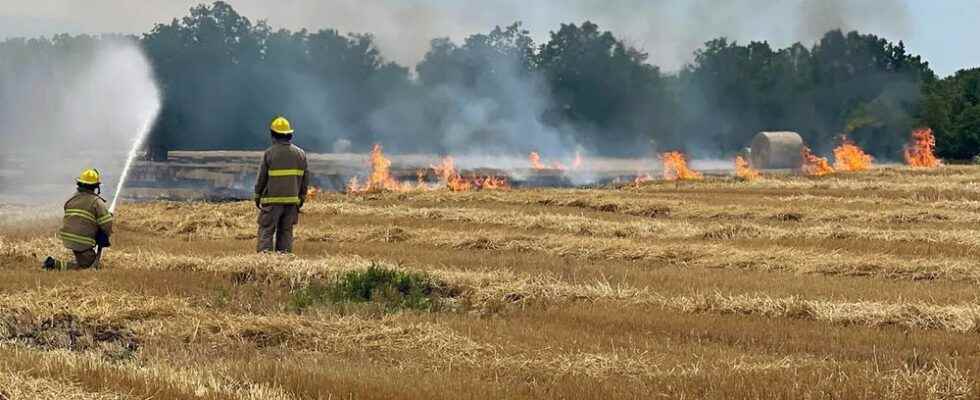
(501, 115)
(670, 30)
(65, 113)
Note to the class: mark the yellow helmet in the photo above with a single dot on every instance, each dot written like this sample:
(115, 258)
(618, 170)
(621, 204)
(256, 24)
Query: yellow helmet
(90, 176)
(281, 126)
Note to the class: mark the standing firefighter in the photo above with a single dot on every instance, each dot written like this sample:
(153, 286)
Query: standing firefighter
(280, 189)
(87, 224)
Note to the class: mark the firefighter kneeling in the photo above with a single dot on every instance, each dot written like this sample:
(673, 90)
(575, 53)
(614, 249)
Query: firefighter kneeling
(87, 224)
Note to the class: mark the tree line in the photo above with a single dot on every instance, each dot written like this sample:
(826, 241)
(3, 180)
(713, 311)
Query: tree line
(224, 76)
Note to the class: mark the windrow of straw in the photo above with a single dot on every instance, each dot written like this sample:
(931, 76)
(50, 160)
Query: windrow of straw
(480, 289)
(691, 254)
(163, 380)
(673, 228)
(15, 385)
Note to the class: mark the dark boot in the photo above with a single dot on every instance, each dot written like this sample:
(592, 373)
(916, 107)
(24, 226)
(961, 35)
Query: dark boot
(49, 263)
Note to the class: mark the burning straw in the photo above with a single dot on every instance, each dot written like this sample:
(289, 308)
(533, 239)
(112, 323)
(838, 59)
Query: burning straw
(849, 157)
(454, 181)
(921, 150)
(744, 171)
(675, 167)
(537, 164)
(814, 165)
(381, 180)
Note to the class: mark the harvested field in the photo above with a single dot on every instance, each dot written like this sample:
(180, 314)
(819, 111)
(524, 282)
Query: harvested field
(848, 286)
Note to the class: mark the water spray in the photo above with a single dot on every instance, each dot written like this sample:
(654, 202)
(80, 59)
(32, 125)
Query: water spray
(130, 158)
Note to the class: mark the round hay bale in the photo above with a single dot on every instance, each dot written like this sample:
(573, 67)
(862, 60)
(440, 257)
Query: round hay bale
(777, 150)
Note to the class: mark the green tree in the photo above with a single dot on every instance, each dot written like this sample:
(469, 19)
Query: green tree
(951, 107)
(482, 59)
(605, 87)
(854, 84)
(224, 77)
(483, 94)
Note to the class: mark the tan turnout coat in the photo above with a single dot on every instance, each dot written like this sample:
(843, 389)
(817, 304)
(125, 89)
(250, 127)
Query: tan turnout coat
(283, 176)
(85, 214)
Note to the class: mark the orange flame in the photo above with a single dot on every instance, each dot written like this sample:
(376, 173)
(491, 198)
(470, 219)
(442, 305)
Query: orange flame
(537, 164)
(380, 179)
(535, 159)
(849, 157)
(813, 165)
(921, 151)
(744, 171)
(446, 170)
(492, 183)
(675, 167)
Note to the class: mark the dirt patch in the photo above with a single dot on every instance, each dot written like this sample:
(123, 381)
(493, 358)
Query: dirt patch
(677, 257)
(733, 232)
(480, 243)
(915, 218)
(607, 207)
(788, 217)
(68, 332)
(652, 212)
(610, 207)
(263, 338)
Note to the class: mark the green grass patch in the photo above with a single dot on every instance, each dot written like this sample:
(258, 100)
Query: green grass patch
(391, 289)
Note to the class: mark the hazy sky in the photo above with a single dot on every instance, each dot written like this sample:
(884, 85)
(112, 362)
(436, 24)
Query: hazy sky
(669, 29)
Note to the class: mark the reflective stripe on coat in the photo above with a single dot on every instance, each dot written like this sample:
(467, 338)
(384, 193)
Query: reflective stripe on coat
(85, 215)
(284, 176)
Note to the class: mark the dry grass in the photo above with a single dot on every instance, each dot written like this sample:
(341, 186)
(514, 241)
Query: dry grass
(18, 386)
(851, 286)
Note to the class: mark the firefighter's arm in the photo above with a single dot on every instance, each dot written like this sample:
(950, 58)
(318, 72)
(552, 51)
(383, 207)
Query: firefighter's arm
(262, 179)
(103, 218)
(304, 185)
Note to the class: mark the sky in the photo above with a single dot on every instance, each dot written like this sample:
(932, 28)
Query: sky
(670, 30)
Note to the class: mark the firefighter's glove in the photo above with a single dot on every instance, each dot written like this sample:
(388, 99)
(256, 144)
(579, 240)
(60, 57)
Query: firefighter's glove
(102, 240)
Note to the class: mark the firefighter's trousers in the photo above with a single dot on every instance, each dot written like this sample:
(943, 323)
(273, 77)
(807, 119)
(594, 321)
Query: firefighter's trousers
(83, 260)
(276, 228)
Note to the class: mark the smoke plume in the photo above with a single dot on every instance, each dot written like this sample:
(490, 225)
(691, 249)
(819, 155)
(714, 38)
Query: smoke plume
(222, 92)
(68, 110)
(670, 30)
